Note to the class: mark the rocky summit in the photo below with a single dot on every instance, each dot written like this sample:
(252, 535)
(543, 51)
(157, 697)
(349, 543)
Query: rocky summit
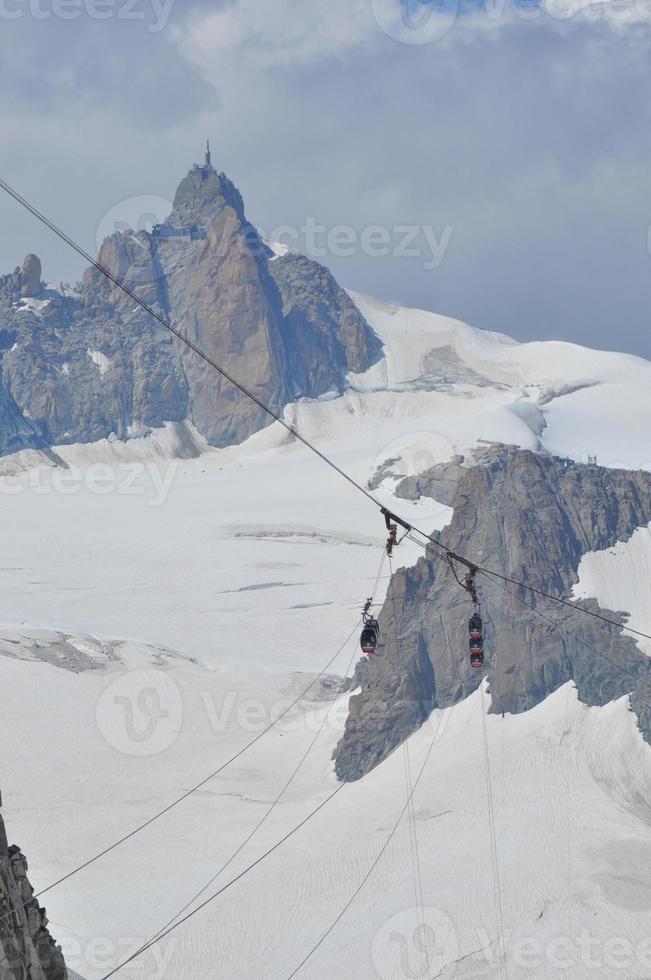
(529, 516)
(28, 950)
(85, 363)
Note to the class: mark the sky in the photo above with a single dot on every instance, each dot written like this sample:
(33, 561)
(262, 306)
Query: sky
(487, 162)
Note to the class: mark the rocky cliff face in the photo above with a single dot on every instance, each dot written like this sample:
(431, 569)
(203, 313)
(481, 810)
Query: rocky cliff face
(27, 950)
(324, 335)
(532, 517)
(76, 366)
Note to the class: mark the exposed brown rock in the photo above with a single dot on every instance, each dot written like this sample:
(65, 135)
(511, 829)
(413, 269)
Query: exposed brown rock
(80, 368)
(30, 276)
(532, 517)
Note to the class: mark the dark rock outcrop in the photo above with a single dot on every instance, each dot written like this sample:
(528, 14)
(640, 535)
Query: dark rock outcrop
(439, 482)
(30, 276)
(324, 335)
(16, 432)
(27, 950)
(81, 365)
(531, 517)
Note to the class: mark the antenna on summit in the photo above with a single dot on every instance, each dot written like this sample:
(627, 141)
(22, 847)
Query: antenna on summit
(208, 160)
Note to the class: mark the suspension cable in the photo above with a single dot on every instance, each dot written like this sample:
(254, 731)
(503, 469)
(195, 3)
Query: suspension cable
(180, 918)
(164, 322)
(497, 888)
(413, 843)
(377, 859)
(573, 636)
(184, 796)
(555, 623)
(268, 812)
(228, 885)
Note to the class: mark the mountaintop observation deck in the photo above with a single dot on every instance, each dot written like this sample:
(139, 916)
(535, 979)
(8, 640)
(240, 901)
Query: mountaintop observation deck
(193, 232)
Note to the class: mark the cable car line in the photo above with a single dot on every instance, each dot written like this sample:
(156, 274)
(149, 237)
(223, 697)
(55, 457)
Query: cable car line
(179, 919)
(257, 827)
(279, 796)
(390, 517)
(371, 628)
(411, 813)
(225, 887)
(382, 851)
(564, 602)
(376, 860)
(184, 796)
(413, 841)
(392, 520)
(179, 334)
(555, 623)
(573, 636)
(497, 888)
(451, 557)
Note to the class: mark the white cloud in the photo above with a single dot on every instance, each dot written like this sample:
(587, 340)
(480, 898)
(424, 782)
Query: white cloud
(270, 34)
(614, 13)
(531, 139)
(263, 35)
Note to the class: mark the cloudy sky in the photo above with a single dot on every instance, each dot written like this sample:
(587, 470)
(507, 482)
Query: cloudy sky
(489, 162)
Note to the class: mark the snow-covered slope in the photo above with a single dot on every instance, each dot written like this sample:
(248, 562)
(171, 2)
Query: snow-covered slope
(201, 594)
(443, 387)
(620, 578)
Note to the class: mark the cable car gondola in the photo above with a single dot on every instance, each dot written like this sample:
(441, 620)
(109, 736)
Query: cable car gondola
(476, 655)
(475, 633)
(370, 636)
(475, 627)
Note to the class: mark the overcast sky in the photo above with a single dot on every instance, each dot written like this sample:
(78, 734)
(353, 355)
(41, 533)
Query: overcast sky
(505, 149)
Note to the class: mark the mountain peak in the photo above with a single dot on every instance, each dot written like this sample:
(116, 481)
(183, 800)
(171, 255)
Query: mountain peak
(204, 193)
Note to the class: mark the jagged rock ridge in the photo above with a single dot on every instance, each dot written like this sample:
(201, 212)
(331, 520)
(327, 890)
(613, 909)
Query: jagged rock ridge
(533, 517)
(80, 365)
(28, 951)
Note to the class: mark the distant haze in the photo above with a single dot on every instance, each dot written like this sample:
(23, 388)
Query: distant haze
(499, 172)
